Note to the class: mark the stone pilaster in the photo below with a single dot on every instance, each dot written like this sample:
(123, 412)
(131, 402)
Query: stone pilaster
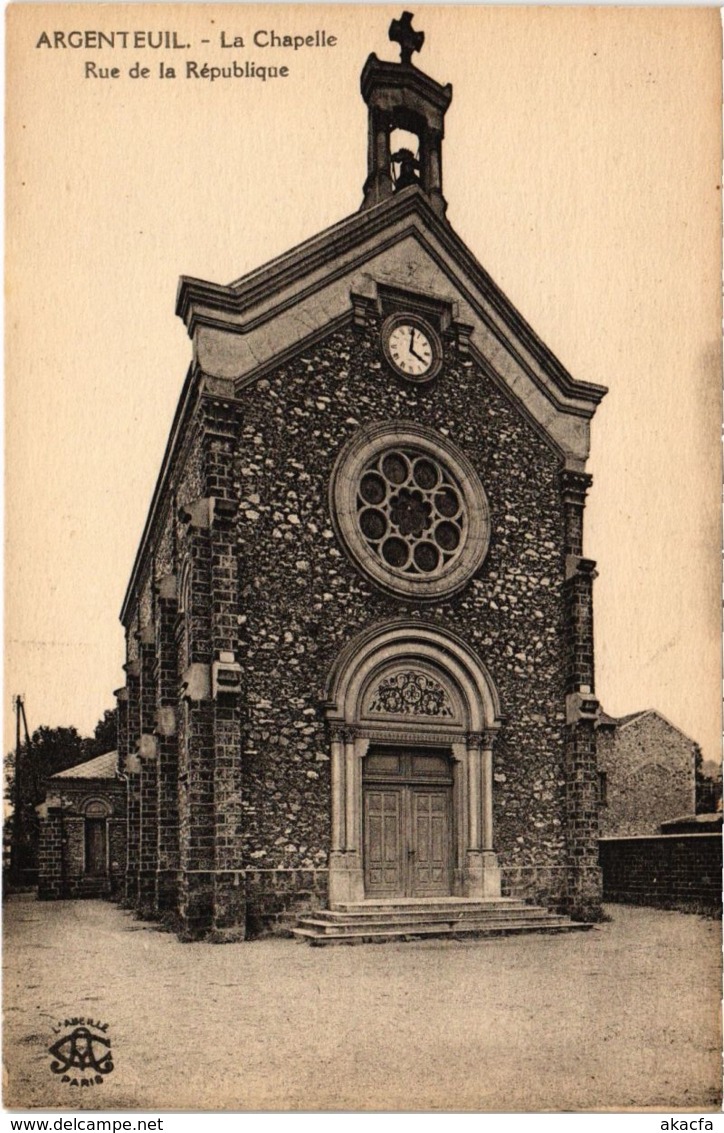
(148, 789)
(50, 855)
(196, 816)
(574, 488)
(346, 871)
(221, 431)
(578, 596)
(229, 891)
(121, 695)
(584, 874)
(196, 733)
(131, 769)
(482, 874)
(166, 893)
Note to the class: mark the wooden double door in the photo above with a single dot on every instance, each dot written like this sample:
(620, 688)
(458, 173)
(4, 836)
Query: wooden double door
(407, 822)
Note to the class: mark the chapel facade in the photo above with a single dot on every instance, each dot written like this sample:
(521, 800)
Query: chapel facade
(359, 624)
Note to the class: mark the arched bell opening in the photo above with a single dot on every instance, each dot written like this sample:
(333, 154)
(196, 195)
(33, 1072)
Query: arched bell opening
(413, 715)
(405, 163)
(400, 97)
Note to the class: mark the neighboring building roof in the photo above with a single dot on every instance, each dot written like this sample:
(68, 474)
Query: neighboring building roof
(692, 823)
(622, 720)
(606, 721)
(102, 767)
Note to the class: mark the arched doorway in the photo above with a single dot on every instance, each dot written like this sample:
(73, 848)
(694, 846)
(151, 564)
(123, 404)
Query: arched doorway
(96, 812)
(413, 715)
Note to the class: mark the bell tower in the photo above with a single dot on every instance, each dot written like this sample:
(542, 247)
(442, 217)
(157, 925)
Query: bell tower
(401, 98)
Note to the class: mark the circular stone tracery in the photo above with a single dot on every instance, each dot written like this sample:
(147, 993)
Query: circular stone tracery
(410, 509)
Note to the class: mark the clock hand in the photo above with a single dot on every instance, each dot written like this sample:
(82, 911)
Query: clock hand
(419, 357)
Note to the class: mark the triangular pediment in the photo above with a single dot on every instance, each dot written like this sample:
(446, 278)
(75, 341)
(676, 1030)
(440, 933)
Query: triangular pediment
(243, 328)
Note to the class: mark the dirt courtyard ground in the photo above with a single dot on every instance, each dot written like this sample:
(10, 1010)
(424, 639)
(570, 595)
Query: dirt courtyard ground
(626, 1015)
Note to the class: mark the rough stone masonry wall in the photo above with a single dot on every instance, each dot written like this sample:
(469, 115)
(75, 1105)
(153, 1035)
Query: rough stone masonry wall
(650, 775)
(302, 600)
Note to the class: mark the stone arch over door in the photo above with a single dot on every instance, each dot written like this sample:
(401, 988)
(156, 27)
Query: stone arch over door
(409, 685)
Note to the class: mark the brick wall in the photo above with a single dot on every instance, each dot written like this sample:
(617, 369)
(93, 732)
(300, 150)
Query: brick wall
(62, 849)
(667, 871)
(51, 868)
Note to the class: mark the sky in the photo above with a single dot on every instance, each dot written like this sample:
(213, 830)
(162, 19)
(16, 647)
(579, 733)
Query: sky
(582, 168)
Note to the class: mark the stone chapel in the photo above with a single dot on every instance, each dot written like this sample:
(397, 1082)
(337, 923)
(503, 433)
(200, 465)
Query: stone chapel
(359, 672)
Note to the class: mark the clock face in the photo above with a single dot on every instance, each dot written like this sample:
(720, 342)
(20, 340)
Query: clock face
(411, 348)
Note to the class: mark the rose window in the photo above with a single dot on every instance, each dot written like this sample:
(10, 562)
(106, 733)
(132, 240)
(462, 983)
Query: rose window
(409, 508)
(410, 511)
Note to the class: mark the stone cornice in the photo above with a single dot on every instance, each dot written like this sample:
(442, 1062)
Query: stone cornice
(200, 302)
(378, 72)
(574, 486)
(262, 295)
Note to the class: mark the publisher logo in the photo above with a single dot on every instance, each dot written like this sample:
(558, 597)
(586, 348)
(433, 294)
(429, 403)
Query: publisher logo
(82, 1053)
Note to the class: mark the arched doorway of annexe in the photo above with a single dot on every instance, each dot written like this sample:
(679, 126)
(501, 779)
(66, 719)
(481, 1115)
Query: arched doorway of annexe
(413, 716)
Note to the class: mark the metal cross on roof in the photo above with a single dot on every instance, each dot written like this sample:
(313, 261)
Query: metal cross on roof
(402, 32)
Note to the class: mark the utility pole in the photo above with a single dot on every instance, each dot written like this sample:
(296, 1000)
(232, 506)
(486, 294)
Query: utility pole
(16, 845)
(15, 848)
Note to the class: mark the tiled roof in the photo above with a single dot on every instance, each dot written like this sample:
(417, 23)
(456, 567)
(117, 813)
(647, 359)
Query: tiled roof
(102, 767)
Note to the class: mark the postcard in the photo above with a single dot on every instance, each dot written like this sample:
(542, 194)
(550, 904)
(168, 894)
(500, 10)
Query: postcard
(363, 648)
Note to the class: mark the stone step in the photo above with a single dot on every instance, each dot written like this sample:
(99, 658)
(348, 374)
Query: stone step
(434, 903)
(404, 928)
(409, 918)
(93, 887)
(368, 935)
(334, 917)
(449, 905)
(400, 916)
